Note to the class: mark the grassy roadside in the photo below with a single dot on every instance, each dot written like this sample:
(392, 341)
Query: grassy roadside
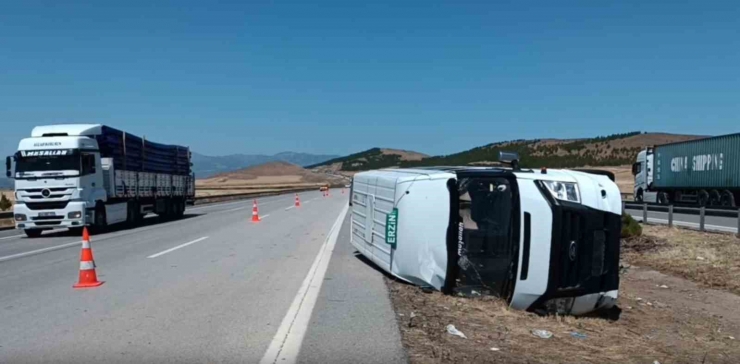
(665, 319)
(710, 259)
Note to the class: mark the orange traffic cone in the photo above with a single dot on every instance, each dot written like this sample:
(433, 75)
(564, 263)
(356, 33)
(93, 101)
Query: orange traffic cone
(297, 201)
(88, 277)
(255, 212)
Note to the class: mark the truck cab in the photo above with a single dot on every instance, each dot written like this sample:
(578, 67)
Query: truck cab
(58, 180)
(643, 172)
(64, 180)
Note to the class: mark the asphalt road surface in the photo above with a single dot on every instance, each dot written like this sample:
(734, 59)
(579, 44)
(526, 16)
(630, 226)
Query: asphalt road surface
(713, 223)
(212, 287)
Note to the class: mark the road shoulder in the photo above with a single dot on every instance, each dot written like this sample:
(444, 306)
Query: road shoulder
(353, 321)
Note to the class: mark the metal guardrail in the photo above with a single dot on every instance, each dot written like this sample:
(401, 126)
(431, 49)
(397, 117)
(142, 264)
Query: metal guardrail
(703, 212)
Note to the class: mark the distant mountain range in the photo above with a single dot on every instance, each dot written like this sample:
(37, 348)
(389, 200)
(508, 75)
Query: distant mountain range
(207, 166)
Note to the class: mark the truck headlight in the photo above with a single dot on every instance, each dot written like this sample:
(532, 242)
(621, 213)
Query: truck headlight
(566, 191)
(20, 217)
(74, 215)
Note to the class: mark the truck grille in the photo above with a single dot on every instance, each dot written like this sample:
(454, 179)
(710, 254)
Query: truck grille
(48, 223)
(38, 218)
(55, 205)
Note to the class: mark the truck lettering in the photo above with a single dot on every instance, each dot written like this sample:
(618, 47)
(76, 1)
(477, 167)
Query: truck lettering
(708, 162)
(699, 163)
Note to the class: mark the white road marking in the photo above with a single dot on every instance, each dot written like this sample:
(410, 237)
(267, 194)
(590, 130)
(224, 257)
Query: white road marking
(292, 207)
(236, 209)
(264, 216)
(177, 247)
(39, 251)
(286, 344)
(11, 237)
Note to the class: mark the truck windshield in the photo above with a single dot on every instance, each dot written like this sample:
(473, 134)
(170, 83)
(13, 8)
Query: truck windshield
(487, 251)
(47, 163)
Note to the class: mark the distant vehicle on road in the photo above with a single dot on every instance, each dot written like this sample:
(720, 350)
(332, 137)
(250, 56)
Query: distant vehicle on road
(704, 172)
(324, 188)
(71, 176)
(543, 240)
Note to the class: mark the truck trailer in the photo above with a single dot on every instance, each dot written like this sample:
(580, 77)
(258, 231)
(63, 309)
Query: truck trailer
(544, 240)
(72, 176)
(703, 172)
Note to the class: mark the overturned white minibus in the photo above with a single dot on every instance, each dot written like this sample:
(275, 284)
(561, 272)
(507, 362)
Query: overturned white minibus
(544, 240)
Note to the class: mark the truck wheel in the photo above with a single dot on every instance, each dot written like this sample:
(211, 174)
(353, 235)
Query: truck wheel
(714, 198)
(663, 198)
(703, 198)
(728, 199)
(132, 215)
(100, 219)
(33, 233)
(76, 231)
(638, 196)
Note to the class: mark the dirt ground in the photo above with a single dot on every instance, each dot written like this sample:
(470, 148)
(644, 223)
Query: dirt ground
(710, 259)
(665, 318)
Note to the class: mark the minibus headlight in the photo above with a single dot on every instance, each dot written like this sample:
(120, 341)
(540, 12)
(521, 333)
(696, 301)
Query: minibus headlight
(566, 191)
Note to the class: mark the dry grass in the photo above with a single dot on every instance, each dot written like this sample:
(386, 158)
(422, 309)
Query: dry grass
(406, 155)
(710, 259)
(274, 173)
(9, 194)
(643, 334)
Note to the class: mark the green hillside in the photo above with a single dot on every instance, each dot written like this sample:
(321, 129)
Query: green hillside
(537, 153)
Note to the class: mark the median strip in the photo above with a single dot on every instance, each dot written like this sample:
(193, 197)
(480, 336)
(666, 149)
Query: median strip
(177, 247)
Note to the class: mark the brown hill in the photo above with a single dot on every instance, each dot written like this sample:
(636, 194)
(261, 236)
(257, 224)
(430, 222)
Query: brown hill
(274, 173)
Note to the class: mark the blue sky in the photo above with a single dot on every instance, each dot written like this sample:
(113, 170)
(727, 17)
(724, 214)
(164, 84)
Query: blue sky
(339, 77)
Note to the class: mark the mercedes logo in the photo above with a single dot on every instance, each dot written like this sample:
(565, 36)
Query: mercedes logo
(572, 251)
(46, 193)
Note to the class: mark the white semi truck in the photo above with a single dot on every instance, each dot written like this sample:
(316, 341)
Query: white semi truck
(545, 240)
(71, 176)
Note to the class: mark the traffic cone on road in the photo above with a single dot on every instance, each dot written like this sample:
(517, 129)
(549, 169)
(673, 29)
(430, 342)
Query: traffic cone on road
(88, 277)
(255, 212)
(297, 201)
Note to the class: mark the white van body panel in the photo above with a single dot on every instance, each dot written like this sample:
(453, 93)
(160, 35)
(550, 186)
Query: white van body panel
(419, 257)
(375, 193)
(531, 201)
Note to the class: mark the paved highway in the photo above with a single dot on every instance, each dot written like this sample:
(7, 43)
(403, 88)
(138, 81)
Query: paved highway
(713, 223)
(212, 287)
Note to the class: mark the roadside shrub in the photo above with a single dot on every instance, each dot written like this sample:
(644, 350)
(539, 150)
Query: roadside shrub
(630, 226)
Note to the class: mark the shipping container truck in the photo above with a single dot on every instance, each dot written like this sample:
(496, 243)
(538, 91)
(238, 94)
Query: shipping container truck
(72, 176)
(544, 240)
(703, 172)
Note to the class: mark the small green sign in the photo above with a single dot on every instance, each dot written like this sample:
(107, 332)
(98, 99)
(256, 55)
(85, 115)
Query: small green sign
(391, 229)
